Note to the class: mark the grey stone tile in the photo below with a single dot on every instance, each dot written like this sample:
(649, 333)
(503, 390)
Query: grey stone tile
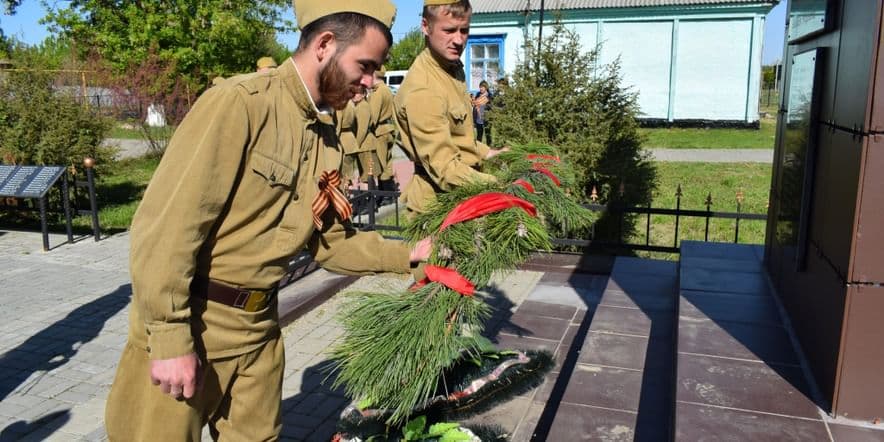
(699, 249)
(746, 385)
(536, 326)
(729, 307)
(535, 308)
(698, 422)
(726, 281)
(581, 298)
(628, 264)
(604, 387)
(614, 351)
(736, 340)
(848, 433)
(643, 284)
(577, 422)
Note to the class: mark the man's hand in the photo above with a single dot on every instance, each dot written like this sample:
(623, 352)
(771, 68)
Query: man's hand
(495, 152)
(421, 251)
(177, 377)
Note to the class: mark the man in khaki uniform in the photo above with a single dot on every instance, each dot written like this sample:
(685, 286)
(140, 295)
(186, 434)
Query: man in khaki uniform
(434, 111)
(355, 127)
(248, 181)
(383, 131)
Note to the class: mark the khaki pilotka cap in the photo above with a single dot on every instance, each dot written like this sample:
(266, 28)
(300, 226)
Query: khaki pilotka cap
(266, 62)
(308, 11)
(440, 2)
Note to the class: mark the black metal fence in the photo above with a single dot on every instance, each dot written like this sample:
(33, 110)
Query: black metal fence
(370, 215)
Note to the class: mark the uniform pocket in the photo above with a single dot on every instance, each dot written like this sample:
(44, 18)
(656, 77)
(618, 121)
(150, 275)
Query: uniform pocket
(458, 116)
(276, 173)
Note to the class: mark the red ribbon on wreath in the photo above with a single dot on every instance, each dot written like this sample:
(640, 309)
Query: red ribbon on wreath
(524, 184)
(484, 204)
(539, 168)
(449, 278)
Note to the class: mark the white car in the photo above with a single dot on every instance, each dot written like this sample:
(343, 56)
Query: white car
(394, 79)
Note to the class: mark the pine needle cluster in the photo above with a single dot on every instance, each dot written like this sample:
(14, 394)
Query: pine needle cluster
(562, 214)
(398, 346)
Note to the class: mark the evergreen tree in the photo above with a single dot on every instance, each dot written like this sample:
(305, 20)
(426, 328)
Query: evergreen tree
(581, 107)
(403, 53)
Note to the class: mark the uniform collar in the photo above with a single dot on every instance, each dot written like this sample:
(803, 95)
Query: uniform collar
(298, 90)
(452, 67)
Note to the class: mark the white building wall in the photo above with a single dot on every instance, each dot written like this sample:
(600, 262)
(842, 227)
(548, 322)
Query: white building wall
(684, 66)
(711, 81)
(645, 62)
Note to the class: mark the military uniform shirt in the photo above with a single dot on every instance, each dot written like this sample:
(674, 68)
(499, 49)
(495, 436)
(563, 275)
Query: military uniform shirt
(435, 119)
(231, 200)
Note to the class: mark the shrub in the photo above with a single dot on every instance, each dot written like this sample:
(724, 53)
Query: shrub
(42, 125)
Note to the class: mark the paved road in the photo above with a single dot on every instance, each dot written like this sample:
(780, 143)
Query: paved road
(713, 155)
(133, 148)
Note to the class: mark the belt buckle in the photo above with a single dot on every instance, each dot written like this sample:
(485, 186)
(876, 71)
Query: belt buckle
(251, 301)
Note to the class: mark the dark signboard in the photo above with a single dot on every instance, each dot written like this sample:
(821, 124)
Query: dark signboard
(28, 181)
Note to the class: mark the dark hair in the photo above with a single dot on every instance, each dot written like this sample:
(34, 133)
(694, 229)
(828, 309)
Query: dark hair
(483, 83)
(348, 28)
(459, 9)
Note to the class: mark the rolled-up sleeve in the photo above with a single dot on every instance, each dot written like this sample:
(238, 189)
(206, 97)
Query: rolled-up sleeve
(343, 250)
(182, 203)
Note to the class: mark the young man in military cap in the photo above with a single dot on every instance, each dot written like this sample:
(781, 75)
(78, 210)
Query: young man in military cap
(249, 179)
(434, 110)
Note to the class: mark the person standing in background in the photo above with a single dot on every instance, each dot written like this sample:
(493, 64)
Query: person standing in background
(383, 133)
(481, 104)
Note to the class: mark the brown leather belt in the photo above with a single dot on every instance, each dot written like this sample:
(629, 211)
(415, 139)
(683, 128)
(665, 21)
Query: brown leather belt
(245, 299)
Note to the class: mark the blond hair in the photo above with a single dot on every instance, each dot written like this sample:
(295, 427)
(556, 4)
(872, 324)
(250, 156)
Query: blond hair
(459, 9)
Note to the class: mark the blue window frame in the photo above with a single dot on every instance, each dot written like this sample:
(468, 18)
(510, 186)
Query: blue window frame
(484, 60)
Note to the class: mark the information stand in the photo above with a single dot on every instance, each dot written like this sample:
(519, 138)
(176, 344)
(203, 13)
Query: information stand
(34, 182)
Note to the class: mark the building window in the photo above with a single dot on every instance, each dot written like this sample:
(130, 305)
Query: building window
(484, 60)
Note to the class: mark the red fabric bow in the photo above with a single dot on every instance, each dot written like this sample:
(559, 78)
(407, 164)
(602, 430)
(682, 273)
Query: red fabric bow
(330, 194)
(539, 168)
(484, 204)
(449, 278)
(524, 184)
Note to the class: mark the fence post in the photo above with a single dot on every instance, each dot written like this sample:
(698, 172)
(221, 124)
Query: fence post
(622, 206)
(708, 214)
(678, 194)
(739, 204)
(89, 163)
(66, 204)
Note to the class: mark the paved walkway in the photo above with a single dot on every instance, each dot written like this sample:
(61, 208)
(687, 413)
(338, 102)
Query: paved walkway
(134, 148)
(65, 322)
(713, 155)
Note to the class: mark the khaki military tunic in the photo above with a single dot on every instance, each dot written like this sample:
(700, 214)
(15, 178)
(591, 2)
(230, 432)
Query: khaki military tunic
(231, 201)
(435, 119)
(383, 129)
(355, 133)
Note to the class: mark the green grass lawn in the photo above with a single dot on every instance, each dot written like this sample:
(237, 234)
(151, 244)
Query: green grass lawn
(698, 180)
(125, 132)
(699, 138)
(119, 188)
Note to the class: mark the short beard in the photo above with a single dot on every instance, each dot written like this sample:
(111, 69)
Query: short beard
(333, 86)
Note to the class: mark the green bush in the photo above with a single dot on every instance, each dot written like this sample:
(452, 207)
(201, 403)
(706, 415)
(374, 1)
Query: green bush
(565, 98)
(44, 125)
